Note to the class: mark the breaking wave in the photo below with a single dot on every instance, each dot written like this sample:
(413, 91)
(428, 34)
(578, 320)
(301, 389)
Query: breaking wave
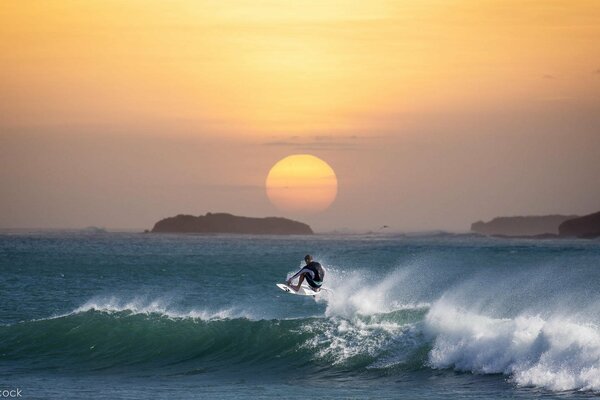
(368, 327)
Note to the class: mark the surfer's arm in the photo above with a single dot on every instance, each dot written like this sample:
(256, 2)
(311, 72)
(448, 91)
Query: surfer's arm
(297, 274)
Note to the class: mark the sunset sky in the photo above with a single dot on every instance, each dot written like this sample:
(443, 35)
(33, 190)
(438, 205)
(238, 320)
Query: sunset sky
(433, 114)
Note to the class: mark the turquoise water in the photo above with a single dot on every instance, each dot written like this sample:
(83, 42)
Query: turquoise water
(123, 315)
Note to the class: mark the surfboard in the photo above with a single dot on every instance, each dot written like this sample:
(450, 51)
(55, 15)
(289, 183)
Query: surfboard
(304, 290)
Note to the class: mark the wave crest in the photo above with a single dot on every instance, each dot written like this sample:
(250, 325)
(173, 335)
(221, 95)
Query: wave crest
(160, 306)
(556, 353)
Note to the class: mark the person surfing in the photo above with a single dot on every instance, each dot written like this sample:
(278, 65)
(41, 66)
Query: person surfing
(312, 272)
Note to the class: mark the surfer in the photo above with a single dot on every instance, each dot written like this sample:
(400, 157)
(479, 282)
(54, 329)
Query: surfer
(313, 272)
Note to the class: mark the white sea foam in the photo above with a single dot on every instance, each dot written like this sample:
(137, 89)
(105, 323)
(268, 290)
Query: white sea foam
(358, 322)
(554, 353)
(354, 295)
(338, 339)
(161, 306)
(558, 350)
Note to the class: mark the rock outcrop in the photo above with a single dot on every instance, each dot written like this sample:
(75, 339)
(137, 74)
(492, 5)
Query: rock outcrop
(587, 226)
(521, 226)
(227, 223)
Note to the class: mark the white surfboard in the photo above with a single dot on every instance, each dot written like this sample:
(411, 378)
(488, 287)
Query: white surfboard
(304, 290)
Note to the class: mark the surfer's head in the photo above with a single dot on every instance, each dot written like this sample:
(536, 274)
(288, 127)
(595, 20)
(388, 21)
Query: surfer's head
(307, 258)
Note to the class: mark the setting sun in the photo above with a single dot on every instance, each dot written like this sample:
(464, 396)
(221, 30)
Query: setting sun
(301, 183)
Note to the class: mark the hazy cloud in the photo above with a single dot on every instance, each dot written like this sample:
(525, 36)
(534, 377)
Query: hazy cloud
(279, 143)
(317, 142)
(232, 187)
(314, 145)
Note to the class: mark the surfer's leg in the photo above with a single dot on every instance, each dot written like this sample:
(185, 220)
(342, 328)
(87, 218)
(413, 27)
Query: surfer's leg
(312, 284)
(300, 280)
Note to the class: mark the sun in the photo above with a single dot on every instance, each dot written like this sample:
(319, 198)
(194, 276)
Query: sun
(301, 183)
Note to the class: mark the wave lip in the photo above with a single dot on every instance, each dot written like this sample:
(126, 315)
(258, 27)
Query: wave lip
(555, 354)
(157, 306)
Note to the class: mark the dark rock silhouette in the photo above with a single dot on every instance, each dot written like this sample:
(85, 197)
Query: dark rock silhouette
(541, 236)
(227, 223)
(521, 226)
(587, 226)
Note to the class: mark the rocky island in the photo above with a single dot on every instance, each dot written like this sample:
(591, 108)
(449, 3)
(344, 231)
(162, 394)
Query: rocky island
(522, 226)
(548, 226)
(228, 223)
(587, 226)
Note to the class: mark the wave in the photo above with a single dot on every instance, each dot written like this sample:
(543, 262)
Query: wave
(538, 331)
(370, 325)
(114, 334)
(557, 353)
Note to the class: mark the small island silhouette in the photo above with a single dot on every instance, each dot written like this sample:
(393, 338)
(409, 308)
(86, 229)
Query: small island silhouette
(545, 226)
(228, 223)
(587, 227)
(521, 225)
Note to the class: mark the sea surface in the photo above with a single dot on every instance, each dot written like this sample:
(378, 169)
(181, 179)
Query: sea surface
(149, 316)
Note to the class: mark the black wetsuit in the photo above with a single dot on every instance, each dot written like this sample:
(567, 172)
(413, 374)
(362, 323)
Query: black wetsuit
(313, 273)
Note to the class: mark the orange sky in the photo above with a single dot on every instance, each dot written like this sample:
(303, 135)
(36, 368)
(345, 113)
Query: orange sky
(264, 67)
(347, 80)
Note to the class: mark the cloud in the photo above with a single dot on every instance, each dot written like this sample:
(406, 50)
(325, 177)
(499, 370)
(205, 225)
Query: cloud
(548, 76)
(279, 143)
(232, 187)
(314, 145)
(317, 142)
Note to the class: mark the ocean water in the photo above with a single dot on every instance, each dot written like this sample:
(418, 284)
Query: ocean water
(138, 316)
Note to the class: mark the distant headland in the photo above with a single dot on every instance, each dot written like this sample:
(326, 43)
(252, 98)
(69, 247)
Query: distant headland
(521, 226)
(545, 226)
(228, 223)
(587, 226)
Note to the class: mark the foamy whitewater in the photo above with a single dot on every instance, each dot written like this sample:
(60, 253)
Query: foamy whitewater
(180, 316)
